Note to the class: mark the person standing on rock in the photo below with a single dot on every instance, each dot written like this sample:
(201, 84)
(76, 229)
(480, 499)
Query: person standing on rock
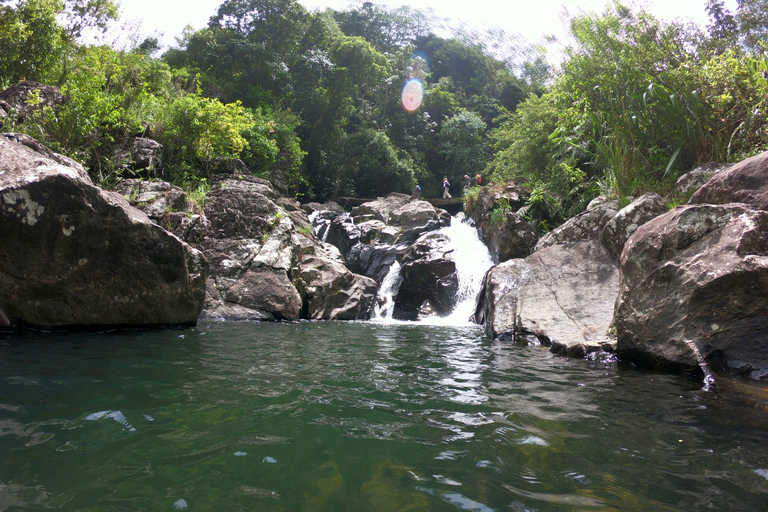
(446, 188)
(416, 192)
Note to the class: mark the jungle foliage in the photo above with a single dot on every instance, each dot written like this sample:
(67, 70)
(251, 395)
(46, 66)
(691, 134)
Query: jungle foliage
(311, 100)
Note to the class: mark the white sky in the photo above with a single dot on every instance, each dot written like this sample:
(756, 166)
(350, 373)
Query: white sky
(531, 18)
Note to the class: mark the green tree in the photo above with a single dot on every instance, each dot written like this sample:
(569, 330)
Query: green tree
(371, 167)
(463, 144)
(32, 40)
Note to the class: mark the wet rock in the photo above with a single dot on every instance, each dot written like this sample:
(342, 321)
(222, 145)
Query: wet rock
(562, 295)
(694, 289)
(622, 225)
(76, 256)
(429, 278)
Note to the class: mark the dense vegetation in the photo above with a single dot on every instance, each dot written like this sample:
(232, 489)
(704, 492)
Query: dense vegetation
(312, 100)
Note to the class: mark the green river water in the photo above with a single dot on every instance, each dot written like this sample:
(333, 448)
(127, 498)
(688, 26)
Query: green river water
(362, 417)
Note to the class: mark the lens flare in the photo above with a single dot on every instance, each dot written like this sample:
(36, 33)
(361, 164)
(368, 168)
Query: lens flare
(413, 93)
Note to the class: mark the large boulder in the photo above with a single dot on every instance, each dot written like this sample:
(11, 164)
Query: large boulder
(561, 296)
(153, 197)
(694, 287)
(430, 280)
(332, 292)
(514, 238)
(24, 98)
(744, 182)
(583, 226)
(266, 263)
(381, 208)
(76, 256)
(621, 226)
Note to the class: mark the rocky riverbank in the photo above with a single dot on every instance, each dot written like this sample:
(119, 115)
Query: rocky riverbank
(684, 289)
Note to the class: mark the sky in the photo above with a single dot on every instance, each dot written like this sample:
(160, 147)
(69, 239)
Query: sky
(531, 18)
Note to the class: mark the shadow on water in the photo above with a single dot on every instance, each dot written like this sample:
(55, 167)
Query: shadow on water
(365, 417)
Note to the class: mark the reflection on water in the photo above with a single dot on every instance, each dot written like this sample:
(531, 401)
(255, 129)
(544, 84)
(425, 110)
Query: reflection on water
(359, 417)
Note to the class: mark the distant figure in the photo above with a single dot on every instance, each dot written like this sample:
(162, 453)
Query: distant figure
(416, 192)
(478, 179)
(446, 188)
(468, 183)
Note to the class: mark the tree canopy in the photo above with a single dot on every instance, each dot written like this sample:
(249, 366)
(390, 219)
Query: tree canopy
(312, 99)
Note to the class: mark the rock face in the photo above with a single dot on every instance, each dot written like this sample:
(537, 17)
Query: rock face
(745, 182)
(399, 229)
(265, 262)
(694, 288)
(430, 281)
(585, 225)
(561, 296)
(694, 281)
(22, 99)
(76, 256)
(621, 226)
(514, 238)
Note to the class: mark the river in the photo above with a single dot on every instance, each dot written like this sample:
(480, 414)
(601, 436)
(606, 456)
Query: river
(360, 417)
(364, 416)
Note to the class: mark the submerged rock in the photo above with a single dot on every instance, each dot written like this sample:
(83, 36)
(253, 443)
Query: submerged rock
(76, 256)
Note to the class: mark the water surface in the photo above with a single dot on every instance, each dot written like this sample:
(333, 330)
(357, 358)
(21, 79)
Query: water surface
(361, 417)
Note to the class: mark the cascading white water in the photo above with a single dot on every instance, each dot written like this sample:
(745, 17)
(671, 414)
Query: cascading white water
(385, 299)
(472, 261)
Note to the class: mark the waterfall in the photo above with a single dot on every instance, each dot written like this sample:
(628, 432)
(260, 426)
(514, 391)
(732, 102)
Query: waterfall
(385, 299)
(472, 261)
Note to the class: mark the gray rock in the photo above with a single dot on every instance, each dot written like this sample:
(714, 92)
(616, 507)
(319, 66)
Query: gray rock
(692, 181)
(744, 182)
(429, 277)
(154, 198)
(333, 292)
(622, 225)
(562, 296)
(382, 207)
(73, 255)
(515, 238)
(24, 98)
(694, 290)
(583, 226)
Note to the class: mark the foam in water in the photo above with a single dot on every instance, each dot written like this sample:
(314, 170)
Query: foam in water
(472, 262)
